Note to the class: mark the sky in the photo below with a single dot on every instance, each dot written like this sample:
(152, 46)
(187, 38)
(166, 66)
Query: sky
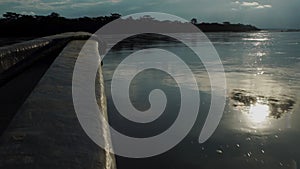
(261, 13)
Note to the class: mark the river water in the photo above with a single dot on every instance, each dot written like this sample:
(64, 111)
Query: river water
(260, 125)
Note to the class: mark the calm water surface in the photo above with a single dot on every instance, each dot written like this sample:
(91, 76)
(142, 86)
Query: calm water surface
(260, 127)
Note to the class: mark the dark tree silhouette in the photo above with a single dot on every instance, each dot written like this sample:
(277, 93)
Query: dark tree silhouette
(11, 16)
(18, 25)
(54, 15)
(194, 21)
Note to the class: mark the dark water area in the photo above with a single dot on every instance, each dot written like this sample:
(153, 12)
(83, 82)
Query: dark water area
(260, 125)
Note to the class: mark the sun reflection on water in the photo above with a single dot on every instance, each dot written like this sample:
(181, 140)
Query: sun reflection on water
(258, 112)
(261, 111)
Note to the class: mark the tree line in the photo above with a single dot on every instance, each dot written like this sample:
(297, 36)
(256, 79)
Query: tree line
(19, 25)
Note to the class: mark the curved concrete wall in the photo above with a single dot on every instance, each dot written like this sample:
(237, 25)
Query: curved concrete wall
(11, 55)
(23, 65)
(17, 57)
(45, 133)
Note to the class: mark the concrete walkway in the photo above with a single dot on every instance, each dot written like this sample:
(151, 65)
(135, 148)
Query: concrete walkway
(45, 133)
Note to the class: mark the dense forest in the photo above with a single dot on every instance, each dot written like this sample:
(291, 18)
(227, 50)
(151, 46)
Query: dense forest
(18, 25)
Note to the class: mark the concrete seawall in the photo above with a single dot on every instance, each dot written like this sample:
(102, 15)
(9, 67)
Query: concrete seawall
(45, 132)
(23, 65)
(17, 57)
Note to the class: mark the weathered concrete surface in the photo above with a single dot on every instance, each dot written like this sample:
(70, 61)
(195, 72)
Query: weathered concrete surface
(14, 92)
(21, 67)
(46, 133)
(17, 57)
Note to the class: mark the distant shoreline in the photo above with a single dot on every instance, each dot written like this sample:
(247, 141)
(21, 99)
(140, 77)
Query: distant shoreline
(281, 30)
(226, 27)
(18, 25)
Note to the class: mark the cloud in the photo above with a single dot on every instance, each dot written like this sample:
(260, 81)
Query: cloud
(133, 8)
(93, 3)
(39, 4)
(52, 5)
(249, 4)
(18, 1)
(254, 4)
(263, 6)
(87, 4)
(28, 13)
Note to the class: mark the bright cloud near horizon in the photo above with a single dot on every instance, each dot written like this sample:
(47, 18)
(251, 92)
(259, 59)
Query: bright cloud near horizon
(261, 13)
